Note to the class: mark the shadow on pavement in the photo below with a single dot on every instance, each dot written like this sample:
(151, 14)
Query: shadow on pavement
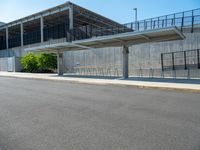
(166, 80)
(146, 79)
(91, 76)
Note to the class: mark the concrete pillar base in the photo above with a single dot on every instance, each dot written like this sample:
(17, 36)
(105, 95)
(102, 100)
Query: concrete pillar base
(60, 63)
(125, 61)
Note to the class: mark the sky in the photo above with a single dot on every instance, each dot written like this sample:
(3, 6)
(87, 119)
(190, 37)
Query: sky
(118, 10)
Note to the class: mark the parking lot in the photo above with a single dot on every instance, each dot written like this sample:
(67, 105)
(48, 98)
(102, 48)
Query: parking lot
(56, 115)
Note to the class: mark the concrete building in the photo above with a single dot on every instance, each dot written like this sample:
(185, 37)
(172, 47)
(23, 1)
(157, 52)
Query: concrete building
(90, 44)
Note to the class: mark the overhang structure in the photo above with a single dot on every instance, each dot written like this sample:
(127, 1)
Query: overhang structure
(117, 40)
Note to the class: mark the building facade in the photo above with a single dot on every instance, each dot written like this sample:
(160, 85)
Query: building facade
(178, 58)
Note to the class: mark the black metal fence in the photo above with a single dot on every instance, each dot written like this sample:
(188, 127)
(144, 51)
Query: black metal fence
(181, 20)
(180, 60)
(55, 32)
(86, 32)
(14, 41)
(32, 37)
(187, 19)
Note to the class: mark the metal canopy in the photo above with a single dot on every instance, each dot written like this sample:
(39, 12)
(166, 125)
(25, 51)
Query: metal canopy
(128, 39)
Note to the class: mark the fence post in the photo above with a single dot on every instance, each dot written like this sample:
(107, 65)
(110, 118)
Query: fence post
(182, 23)
(192, 21)
(185, 61)
(162, 74)
(198, 58)
(162, 61)
(163, 23)
(173, 60)
(174, 19)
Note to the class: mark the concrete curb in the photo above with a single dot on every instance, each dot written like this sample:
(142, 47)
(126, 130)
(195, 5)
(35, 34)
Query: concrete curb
(138, 84)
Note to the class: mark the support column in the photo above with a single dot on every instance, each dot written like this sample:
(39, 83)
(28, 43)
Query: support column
(125, 61)
(22, 34)
(71, 18)
(60, 63)
(7, 44)
(41, 28)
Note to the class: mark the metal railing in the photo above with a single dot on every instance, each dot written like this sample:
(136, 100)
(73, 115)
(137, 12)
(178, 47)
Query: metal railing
(181, 60)
(187, 19)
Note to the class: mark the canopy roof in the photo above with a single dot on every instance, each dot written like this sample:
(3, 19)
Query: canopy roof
(129, 38)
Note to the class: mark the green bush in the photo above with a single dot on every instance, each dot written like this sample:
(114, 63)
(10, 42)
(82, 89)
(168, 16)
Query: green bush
(47, 61)
(29, 62)
(39, 62)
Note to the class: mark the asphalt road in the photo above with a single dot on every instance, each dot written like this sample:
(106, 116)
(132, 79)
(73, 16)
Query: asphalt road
(50, 115)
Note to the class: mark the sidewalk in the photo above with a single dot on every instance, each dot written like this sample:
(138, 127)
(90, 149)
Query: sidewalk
(193, 86)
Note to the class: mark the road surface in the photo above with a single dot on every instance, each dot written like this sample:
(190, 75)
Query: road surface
(53, 115)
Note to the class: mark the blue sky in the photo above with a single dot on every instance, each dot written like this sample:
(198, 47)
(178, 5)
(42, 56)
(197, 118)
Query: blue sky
(118, 10)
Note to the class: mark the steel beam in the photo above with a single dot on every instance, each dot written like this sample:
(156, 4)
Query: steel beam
(41, 28)
(71, 18)
(7, 44)
(22, 34)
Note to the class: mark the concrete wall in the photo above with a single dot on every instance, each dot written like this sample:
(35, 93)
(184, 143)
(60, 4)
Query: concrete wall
(144, 59)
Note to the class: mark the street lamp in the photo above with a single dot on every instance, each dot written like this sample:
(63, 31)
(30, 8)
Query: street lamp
(135, 9)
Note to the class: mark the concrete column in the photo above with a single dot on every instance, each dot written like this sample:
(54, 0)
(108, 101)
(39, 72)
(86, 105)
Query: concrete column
(7, 44)
(22, 34)
(41, 28)
(125, 61)
(71, 18)
(60, 63)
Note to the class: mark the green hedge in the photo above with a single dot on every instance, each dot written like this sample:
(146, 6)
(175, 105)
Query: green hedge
(42, 62)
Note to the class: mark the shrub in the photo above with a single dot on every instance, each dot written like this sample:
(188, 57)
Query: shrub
(47, 61)
(29, 62)
(42, 62)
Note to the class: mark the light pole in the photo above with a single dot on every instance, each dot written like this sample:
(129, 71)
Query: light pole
(136, 24)
(135, 9)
